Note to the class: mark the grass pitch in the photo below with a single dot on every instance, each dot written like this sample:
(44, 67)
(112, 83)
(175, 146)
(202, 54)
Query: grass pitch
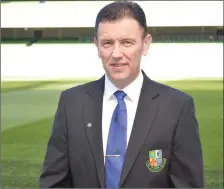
(27, 114)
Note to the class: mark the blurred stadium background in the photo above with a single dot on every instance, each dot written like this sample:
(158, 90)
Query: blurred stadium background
(46, 46)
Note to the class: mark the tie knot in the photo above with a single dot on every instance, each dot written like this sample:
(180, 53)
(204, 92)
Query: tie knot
(120, 95)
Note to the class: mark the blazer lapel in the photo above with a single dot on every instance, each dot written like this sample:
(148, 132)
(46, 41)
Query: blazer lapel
(93, 121)
(146, 111)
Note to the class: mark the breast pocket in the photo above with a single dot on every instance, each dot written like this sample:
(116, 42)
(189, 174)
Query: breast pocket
(157, 159)
(151, 166)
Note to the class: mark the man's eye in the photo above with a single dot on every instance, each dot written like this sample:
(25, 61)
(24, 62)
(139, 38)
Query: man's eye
(127, 43)
(107, 44)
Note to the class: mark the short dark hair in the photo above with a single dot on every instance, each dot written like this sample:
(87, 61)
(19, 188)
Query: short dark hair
(119, 10)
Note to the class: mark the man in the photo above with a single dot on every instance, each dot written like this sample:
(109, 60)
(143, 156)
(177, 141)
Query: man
(123, 130)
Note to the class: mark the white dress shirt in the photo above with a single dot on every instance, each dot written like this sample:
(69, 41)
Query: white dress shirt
(109, 104)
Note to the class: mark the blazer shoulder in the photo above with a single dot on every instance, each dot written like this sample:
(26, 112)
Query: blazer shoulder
(173, 93)
(78, 90)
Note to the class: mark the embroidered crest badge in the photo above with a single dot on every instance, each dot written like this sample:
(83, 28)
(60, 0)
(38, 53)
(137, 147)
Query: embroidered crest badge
(156, 162)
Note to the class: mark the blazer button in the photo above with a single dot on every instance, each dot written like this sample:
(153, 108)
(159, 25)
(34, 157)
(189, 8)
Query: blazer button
(89, 125)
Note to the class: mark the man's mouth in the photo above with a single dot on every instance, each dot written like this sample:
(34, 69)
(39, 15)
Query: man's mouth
(118, 65)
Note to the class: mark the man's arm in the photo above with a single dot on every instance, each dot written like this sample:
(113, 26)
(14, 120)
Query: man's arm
(56, 171)
(186, 168)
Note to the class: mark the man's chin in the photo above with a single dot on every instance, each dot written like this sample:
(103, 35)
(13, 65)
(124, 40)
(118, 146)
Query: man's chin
(119, 77)
(121, 81)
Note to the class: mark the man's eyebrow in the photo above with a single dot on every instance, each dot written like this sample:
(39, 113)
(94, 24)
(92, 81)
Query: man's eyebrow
(121, 39)
(128, 39)
(103, 37)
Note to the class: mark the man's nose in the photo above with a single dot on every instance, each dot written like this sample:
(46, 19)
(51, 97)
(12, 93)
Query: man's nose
(117, 53)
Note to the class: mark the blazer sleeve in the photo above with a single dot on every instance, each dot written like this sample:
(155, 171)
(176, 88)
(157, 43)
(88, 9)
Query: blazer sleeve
(55, 171)
(186, 166)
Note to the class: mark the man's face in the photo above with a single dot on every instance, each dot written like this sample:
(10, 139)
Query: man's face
(121, 45)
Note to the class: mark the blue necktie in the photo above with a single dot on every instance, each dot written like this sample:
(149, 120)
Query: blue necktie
(116, 143)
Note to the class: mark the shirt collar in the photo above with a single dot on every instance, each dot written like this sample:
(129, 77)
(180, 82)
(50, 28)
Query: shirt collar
(132, 90)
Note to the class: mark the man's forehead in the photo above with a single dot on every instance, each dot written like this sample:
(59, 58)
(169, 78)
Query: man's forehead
(120, 22)
(125, 28)
(105, 36)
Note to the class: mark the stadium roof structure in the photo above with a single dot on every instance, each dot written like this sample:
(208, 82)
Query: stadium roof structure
(83, 13)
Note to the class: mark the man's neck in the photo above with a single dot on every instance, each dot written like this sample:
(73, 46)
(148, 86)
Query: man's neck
(123, 83)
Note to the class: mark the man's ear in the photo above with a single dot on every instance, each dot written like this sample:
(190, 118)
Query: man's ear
(147, 42)
(96, 42)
